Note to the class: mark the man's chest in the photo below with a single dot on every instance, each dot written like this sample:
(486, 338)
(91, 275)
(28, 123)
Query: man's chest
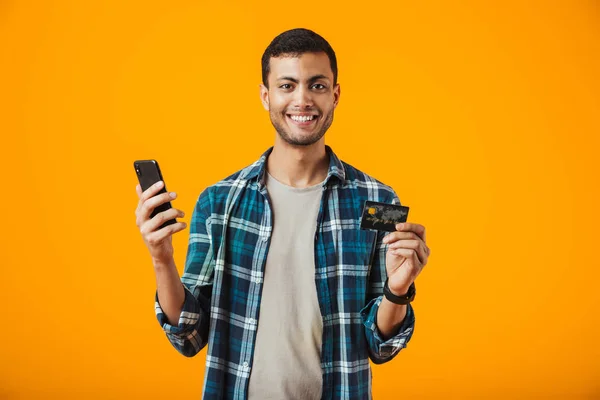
(341, 251)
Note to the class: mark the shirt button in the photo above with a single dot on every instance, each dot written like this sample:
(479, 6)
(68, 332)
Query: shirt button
(252, 321)
(256, 280)
(265, 238)
(245, 364)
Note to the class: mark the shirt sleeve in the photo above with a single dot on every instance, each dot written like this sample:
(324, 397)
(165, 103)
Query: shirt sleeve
(191, 333)
(380, 350)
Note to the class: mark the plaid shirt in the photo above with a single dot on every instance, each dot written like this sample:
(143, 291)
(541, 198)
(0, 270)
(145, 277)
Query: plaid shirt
(228, 245)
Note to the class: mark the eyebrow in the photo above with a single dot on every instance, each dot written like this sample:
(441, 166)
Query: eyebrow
(311, 79)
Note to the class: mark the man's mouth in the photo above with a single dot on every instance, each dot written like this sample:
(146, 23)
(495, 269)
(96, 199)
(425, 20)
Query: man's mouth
(302, 120)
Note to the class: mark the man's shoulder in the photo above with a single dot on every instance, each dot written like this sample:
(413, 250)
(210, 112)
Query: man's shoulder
(220, 190)
(237, 177)
(357, 179)
(354, 179)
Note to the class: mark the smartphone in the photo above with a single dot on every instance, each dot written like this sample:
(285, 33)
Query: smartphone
(148, 173)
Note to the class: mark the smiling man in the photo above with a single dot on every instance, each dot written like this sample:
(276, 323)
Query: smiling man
(280, 281)
(296, 79)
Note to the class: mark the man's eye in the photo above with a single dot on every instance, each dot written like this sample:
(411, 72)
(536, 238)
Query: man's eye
(285, 86)
(319, 86)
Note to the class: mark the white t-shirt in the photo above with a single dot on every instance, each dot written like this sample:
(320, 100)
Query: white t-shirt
(287, 355)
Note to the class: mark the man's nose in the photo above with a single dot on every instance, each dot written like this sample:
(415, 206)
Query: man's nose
(303, 97)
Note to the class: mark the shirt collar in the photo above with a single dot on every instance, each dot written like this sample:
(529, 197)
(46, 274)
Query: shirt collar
(258, 169)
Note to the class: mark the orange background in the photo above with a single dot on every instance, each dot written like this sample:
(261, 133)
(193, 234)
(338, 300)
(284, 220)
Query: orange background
(483, 116)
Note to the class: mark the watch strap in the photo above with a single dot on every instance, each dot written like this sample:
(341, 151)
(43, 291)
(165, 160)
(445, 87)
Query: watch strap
(404, 299)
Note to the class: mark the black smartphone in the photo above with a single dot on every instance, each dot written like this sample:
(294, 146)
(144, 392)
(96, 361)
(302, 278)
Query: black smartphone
(148, 173)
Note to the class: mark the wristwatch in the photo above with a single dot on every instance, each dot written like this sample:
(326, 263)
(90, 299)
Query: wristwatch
(404, 299)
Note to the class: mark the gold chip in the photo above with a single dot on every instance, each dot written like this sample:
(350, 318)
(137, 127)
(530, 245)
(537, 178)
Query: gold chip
(372, 210)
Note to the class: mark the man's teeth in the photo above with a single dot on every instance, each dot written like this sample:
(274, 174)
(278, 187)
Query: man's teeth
(303, 118)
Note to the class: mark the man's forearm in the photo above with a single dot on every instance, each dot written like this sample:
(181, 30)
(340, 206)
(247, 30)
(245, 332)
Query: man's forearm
(171, 295)
(389, 317)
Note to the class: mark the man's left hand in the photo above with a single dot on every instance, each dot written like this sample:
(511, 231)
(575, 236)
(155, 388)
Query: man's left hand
(406, 256)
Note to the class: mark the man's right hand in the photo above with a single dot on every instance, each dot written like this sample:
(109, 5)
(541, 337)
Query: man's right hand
(158, 241)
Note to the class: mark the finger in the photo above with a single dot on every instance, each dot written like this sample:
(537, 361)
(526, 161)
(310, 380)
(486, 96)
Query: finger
(138, 190)
(416, 245)
(406, 244)
(149, 205)
(158, 236)
(155, 222)
(412, 227)
(148, 193)
(152, 190)
(407, 253)
(395, 236)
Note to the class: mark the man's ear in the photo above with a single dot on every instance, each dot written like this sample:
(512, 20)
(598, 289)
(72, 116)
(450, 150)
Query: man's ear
(264, 96)
(336, 94)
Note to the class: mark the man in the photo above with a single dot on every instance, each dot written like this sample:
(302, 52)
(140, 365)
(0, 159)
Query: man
(280, 281)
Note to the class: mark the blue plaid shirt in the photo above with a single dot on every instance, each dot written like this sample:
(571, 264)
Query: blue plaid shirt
(223, 277)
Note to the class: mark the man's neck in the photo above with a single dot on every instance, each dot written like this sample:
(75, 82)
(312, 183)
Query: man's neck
(298, 166)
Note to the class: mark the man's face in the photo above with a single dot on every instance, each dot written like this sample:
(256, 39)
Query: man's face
(301, 97)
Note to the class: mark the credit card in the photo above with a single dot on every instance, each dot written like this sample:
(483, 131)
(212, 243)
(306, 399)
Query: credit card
(382, 216)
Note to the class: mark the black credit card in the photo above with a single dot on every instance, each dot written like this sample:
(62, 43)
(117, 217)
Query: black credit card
(382, 216)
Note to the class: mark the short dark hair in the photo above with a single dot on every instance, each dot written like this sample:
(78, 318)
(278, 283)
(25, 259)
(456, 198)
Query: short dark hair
(294, 43)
